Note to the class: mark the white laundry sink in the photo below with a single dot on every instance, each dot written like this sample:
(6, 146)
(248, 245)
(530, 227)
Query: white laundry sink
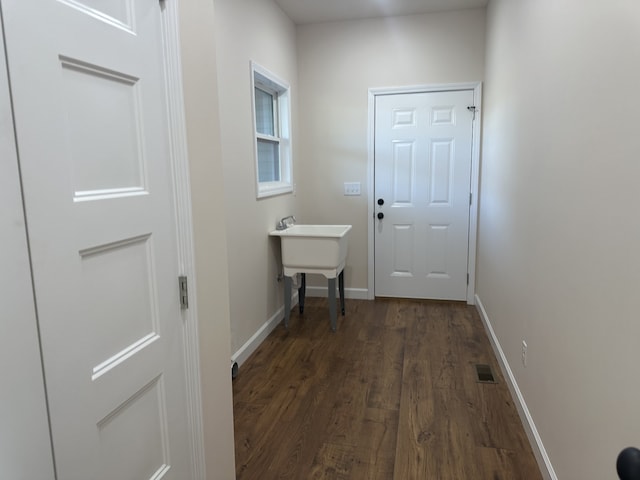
(313, 249)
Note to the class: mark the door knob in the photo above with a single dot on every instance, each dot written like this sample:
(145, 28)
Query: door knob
(380, 201)
(380, 215)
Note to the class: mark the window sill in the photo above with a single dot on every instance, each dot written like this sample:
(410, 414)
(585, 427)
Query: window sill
(272, 189)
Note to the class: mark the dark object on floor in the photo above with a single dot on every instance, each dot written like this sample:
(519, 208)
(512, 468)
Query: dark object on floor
(485, 374)
(628, 464)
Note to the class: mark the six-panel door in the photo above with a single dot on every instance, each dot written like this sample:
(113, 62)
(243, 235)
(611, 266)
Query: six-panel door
(422, 179)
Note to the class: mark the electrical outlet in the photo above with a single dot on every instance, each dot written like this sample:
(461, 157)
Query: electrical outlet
(524, 353)
(352, 188)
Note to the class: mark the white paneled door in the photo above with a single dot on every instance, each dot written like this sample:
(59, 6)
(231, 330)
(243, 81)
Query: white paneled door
(422, 191)
(90, 104)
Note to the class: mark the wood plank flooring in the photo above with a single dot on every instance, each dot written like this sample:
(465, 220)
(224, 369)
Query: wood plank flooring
(392, 394)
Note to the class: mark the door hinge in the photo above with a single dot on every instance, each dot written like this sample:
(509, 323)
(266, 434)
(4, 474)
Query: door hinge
(184, 291)
(470, 199)
(472, 109)
(467, 279)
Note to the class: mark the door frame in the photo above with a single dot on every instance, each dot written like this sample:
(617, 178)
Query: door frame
(24, 420)
(476, 87)
(184, 228)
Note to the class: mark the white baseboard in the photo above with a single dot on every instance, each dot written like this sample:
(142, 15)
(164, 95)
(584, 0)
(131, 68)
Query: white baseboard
(250, 346)
(354, 293)
(544, 463)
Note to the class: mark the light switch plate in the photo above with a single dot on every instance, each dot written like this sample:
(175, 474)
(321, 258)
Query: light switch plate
(352, 188)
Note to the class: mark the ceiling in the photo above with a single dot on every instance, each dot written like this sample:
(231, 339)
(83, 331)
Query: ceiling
(316, 11)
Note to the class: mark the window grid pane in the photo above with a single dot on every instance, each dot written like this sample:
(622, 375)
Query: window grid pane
(268, 161)
(264, 113)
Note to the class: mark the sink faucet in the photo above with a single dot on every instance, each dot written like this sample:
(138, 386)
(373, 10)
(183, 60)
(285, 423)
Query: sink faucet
(286, 222)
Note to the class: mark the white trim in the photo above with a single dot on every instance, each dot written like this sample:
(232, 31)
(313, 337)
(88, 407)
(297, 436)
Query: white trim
(475, 175)
(371, 137)
(251, 345)
(544, 463)
(269, 81)
(184, 225)
(475, 192)
(353, 293)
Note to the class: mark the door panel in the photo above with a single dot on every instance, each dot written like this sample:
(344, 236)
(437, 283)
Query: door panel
(104, 128)
(440, 172)
(403, 173)
(422, 172)
(91, 123)
(403, 262)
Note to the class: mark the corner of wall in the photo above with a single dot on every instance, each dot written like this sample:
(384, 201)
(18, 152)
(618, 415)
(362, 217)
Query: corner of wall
(544, 463)
(260, 32)
(199, 71)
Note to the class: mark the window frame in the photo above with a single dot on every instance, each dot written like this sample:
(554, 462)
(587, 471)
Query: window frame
(266, 81)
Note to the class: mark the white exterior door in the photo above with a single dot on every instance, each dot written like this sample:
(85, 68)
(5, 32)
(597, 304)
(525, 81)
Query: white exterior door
(90, 104)
(422, 191)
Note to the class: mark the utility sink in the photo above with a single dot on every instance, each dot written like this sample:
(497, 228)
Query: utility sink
(313, 249)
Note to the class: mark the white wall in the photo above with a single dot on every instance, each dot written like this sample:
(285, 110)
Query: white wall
(338, 63)
(251, 30)
(558, 260)
(210, 242)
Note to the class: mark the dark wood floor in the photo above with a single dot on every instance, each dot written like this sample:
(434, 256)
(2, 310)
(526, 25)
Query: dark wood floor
(392, 395)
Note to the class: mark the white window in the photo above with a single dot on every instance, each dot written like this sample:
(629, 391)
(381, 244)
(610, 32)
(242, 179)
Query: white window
(271, 113)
